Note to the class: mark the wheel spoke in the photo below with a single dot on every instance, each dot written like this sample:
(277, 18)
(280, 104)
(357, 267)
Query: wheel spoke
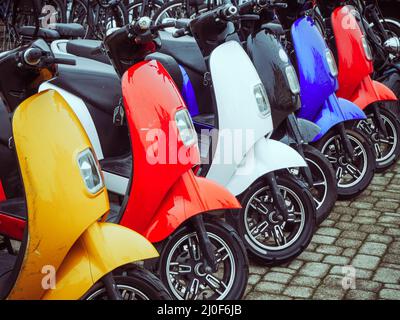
(279, 237)
(332, 159)
(319, 183)
(194, 251)
(215, 284)
(293, 217)
(192, 290)
(259, 228)
(339, 173)
(358, 151)
(259, 206)
(353, 171)
(378, 150)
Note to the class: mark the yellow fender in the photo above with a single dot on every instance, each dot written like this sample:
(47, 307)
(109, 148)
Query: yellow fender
(101, 249)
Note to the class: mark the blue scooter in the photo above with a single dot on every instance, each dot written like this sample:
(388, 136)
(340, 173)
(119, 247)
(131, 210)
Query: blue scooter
(348, 149)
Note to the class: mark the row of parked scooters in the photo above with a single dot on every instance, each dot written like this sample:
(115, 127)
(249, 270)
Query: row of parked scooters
(187, 144)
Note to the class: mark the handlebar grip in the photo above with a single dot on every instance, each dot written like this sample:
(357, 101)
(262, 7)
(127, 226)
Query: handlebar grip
(71, 62)
(32, 56)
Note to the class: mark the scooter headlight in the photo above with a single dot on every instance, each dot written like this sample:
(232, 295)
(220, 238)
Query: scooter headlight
(367, 48)
(292, 79)
(262, 100)
(333, 69)
(185, 127)
(90, 171)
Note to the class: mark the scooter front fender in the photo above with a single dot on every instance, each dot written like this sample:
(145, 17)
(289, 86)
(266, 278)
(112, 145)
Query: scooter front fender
(370, 91)
(334, 111)
(308, 130)
(100, 250)
(189, 196)
(267, 155)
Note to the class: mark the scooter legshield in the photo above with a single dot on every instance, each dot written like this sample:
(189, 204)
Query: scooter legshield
(101, 249)
(267, 155)
(336, 110)
(48, 139)
(189, 196)
(355, 83)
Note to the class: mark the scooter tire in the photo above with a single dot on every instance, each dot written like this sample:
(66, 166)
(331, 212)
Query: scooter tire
(146, 285)
(254, 248)
(393, 82)
(322, 168)
(346, 193)
(229, 236)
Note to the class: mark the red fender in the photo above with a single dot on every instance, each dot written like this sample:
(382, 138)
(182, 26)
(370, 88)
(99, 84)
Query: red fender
(12, 227)
(190, 196)
(355, 83)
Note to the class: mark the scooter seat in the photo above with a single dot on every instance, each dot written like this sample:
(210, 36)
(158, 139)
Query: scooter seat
(205, 119)
(87, 49)
(95, 83)
(48, 35)
(14, 207)
(68, 30)
(120, 166)
(274, 28)
(185, 51)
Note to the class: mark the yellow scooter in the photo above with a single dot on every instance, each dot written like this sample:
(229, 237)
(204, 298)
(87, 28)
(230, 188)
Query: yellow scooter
(67, 251)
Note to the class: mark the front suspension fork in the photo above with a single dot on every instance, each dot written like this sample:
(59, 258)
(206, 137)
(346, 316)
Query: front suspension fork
(111, 287)
(205, 244)
(277, 196)
(376, 111)
(348, 147)
(294, 128)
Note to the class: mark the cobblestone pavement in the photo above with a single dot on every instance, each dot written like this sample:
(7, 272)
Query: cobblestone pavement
(364, 233)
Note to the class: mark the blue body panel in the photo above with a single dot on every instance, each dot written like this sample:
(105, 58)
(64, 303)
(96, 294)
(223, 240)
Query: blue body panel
(318, 86)
(188, 94)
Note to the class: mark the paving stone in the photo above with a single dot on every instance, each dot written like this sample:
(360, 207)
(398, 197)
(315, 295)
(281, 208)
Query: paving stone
(328, 223)
(368, 285)
(373, 248)
(380, 238)
(270, 287)
(387, 275)
(257, 269)
(254, 278)
(346, 211)
(347, 226)
(361, 205)
(298, 292)
(323, 239)
(348, 243)
(369, 213)
(391, 258)
(328, 293)
(336, 260)
(387, 205)
(314, 269)
(278, 277)
(296, 264)
(389, 294)
(256, 295)
(372, 229)
(346, 218)
(311, 256)
(365, 261)
(283, 269)
(349, 252)
(357, 235)
(364, 220)
(328, 249)
(306, 281)
(360, 295)
(392, 232)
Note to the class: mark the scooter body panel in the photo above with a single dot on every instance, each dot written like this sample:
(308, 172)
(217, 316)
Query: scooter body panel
(267, 155)
(271, 61)
(151, 101)
(53, 184)
(189, 196)
(82, 112)
(334, 111)
(308, 130)
(355, 68)
(316, 81)
(234, 84)
(12, 227)
(97, 253)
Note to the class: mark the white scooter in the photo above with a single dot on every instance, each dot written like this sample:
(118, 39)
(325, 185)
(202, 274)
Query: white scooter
(277, 218)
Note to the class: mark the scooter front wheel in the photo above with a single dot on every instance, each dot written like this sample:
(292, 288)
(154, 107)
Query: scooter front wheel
(133, 284)
(386, 146)
(354, 176)
(269, 239)
(181, 266)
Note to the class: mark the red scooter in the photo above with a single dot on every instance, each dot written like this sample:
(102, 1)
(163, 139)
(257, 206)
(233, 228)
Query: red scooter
(355, 63)
(201, 257)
